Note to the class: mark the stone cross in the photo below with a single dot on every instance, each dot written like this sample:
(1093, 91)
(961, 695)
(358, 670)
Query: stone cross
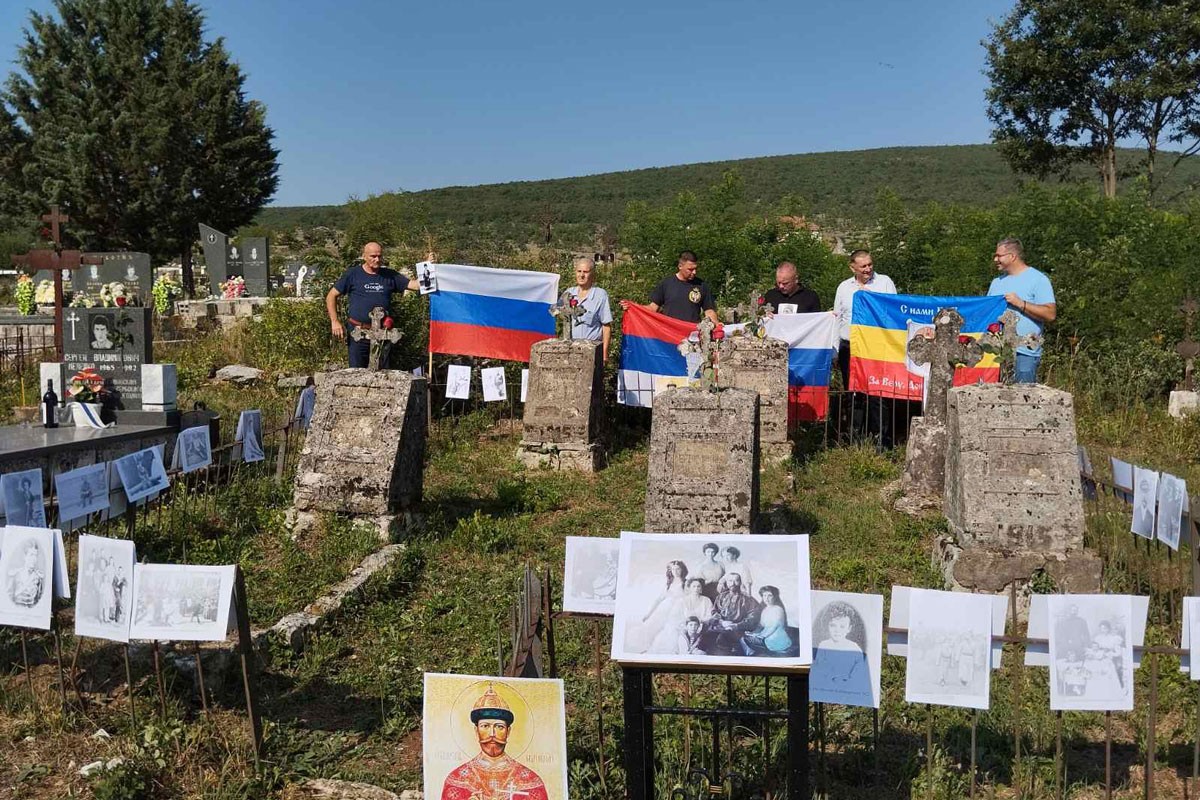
(708, 344)
(945, 350)
(1189, 348)
(1006, 342)
(744, 313)
(569, 309)
(381, 338)
(56, 260)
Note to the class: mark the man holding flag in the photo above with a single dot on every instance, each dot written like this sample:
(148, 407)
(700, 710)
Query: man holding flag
(366, 286)
(683, 296)
(1028, 292)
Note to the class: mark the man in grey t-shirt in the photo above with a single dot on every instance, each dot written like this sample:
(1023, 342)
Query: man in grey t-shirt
(595, 323)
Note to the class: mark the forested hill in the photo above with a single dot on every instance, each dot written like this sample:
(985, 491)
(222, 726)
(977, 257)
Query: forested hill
(838, 184)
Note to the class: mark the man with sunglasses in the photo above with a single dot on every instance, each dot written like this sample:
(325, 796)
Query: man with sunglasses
(1028, 292)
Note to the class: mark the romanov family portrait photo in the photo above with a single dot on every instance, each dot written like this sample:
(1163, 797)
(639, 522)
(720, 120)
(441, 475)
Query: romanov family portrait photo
(181, 602)
(949, 648)
(713, 599)
(142, 473)
(1091, 652)
(847, 648)
(104, 588)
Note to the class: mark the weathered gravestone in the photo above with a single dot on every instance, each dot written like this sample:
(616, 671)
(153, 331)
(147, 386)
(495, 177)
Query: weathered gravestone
(564, 405)
(1013, 497)
(224, 259)
(703, 465)
(116, 342)
(364, 454)
(131, 269)
(761, 365)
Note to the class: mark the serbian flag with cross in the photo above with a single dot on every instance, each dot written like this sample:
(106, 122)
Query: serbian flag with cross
(489, 312)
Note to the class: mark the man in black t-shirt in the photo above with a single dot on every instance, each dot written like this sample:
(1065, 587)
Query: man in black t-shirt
(366, 286)
(788, 296)
(683, 295)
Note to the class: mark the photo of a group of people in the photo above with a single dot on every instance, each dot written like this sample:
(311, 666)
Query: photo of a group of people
(179, 602)
(1160, 501)
(949, 648)
(104, 588)
(1091, 652)
(719, 599)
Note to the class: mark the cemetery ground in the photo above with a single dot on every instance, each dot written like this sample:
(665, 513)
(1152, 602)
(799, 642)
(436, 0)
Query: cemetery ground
(349, 706)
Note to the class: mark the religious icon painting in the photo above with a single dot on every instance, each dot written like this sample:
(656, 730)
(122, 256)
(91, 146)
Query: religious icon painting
(249, 434)
(1091, 652)
(142, 473)
(104, 588)
(1172, 505)
(178, 602)
(26, 577)
(193, 449)
(23, 503)
(458, 382)
(494, 387)
(949, 649)
(81, 492)
(590, 575)
(494, 738)
(1145, 498)
(713, 599)
(847, 648)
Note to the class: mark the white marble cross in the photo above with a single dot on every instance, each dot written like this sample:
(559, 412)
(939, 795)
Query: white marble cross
(73, 319)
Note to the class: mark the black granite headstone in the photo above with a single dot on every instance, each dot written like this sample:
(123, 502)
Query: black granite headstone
(256, 256)
(224, 259)
(113, 341)
(131, 269)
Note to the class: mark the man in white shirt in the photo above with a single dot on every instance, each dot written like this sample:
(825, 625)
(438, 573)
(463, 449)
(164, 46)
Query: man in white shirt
(878, 420)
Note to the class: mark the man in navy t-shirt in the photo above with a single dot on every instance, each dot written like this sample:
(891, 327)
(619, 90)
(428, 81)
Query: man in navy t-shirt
(366, 286)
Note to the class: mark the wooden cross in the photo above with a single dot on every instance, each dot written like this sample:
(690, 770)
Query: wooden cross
(1188, 348)
(56, 261)
(943, 352)
(569, 312)
(381, 338)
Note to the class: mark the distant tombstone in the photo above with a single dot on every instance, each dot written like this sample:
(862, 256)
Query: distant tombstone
(703, 467)
(131, 269)
(1013, 497)
(115, 342)
(225, 259)
(365, 449)
(564, 405)
(761, 365)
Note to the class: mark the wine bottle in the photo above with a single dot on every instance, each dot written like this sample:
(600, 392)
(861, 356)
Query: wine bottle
(50, 406)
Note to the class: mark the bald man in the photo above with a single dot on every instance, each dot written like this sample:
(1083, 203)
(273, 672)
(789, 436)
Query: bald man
(366, 286)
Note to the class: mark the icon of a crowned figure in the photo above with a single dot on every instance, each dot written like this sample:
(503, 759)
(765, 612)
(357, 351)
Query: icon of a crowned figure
(492, 775)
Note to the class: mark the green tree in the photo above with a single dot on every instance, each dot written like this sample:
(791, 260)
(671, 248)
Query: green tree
(1070, 79)
(136, 126)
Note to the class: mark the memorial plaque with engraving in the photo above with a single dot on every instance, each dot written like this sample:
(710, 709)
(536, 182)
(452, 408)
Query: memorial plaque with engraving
(115, 342)
(131, 269)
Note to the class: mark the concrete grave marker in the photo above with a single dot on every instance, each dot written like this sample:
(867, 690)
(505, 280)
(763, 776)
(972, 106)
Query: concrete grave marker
(564, 405)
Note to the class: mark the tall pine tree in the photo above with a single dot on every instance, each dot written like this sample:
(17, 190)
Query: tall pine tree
(136, 126)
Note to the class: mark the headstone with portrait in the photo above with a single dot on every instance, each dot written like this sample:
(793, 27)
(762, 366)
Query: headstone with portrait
(133, 270)
(248, 258)
(115, 342)
(564, 406)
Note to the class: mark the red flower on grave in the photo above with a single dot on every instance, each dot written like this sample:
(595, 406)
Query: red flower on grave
(121, 300)
(964, 339)
(761, 299)
(574, 302)
(995, 327)
(719, 333)
(388, 322)
(44, 233)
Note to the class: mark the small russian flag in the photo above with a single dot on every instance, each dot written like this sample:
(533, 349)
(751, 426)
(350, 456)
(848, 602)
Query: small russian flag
(489, 312)
(812, 341)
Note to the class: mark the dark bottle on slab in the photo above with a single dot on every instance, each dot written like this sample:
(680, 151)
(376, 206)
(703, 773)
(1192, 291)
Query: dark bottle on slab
(50, 405)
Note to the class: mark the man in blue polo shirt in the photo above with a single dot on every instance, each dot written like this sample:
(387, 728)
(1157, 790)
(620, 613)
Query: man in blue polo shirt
(366, 286)
(1029, 293)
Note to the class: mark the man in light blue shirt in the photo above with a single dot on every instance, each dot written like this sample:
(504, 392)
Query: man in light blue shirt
(1029, 293)
(595, 323)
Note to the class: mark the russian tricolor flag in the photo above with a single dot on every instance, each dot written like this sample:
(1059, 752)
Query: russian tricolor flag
(489, 312)
(650, 357)
(812, 341)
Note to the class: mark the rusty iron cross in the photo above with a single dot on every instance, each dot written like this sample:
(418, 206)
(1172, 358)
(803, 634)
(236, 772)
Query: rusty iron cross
(381, 338)
(943, 352)
(568, 313)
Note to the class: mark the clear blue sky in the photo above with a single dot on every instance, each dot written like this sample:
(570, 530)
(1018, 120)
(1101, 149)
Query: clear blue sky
(374, 95)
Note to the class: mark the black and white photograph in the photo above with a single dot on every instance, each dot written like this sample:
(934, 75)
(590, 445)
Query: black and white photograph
(949, 649)
(193, 449)
(103, 330)
(1145, 495)
(23, 503)
(306, 404)
(1091, 652)
(897, 635)
(427, 277)
(458, 382)
(494, 387)
(590, 575)
(1172, 494)
(1037, 651)
(713, 599)
(104, 588)
(847, 636)
(142, 473)
(26, 576)
(1122, 474)
(178, 602)
(249, 434)
(81, 492)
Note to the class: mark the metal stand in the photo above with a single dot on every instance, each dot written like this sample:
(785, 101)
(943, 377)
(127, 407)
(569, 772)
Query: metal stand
(639, 730)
